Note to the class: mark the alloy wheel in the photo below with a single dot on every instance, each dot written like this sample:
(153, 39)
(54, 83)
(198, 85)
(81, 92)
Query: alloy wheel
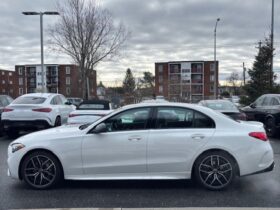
(40, 171)
(215, 171)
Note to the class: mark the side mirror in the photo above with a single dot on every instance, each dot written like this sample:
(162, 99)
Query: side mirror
(253, 105)
(100, 128)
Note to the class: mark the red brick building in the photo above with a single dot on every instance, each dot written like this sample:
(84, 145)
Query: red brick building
(62, 79)
(8, 84)
(188, 81)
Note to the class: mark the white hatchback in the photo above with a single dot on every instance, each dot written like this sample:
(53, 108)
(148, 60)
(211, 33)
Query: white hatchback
(35, 111)
(144, 141)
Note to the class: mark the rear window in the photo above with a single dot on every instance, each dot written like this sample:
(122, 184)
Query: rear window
(227, 106)
(29, 100)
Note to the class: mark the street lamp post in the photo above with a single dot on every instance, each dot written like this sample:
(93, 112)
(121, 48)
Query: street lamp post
(42, 43)
(215, 65)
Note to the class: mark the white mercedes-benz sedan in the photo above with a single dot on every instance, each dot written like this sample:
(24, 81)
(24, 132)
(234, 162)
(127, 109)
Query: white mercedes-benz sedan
(144, 141)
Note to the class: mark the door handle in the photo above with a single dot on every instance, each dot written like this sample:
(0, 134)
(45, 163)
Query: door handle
(198, 136)
(134, 138)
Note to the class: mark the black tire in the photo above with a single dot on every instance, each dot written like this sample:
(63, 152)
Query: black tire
(215, 170)
(41, 170)
(57, 121)
(12, 133)
(270, 127)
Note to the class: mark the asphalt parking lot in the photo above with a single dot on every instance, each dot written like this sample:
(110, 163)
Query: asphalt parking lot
(262, 190)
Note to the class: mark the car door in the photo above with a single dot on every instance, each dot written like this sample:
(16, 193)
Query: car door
(120, 152)
(177, 135)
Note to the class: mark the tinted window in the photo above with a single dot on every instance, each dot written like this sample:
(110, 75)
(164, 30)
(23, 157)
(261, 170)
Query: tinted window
(135, 119)
(173, 117)
(169, 117)
(274, 102)
(266, 101)
(58, 100)
(29, 100)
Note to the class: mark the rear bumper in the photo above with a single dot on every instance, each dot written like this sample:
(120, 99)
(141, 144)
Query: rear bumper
(268, 169)
(25, 124)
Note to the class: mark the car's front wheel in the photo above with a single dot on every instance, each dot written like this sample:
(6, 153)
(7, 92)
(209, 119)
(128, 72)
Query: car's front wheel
(215, 170)
(41, 170)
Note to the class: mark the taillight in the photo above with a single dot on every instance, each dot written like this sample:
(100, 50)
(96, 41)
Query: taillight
(73, 115)
(42, 110)
(259, 135)
(7, 110)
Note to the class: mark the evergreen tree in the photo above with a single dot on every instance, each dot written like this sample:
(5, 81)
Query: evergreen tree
(261, 77)
(129, 82)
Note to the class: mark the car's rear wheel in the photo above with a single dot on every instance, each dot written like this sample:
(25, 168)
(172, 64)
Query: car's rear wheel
(57, 121)
(270, 127)
(215, 170)
(41, 170)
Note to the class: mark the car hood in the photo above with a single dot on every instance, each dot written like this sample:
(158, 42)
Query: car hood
(65, 131)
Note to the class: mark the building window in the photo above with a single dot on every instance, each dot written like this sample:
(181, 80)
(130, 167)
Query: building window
(160, 79)
(212, 78)
(39, 73)
(20, 90)
(3, 73)
(67, 69)
(10, 74)
(212, 88)
(212, 67)
(68, 82)
(160, 89)
(68, 91)
(3, 81)
(20, 70)
(11, 82)
(20, 81)
(160, 69)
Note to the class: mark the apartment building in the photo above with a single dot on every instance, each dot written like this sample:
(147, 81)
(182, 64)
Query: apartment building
(188, 81)
(8, 84)
(64, 79)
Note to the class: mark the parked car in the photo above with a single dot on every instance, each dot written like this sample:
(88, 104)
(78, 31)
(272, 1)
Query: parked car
(266, 109)
(235, 100)
(35, 111)
(75, 101)
(89, 111)
(226, 107)
(144, 141)
(4, 101)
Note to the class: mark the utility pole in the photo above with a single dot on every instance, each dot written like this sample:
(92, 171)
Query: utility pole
(215, 65)
(272, 37)
(244, 77)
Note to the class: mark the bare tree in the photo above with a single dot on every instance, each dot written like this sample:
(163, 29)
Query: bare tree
(233, 80)
(88, 34)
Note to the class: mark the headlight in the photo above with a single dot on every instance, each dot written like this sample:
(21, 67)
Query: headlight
(16, 147)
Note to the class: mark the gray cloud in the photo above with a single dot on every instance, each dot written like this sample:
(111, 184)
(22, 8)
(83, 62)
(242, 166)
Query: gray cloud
(162, 30)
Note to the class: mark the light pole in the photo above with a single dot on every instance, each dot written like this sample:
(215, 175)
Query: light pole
(215, 66)
(272, 40)
(42, 44)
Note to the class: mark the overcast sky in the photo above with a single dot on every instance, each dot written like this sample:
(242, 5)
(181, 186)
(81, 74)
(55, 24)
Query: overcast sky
(161, 30)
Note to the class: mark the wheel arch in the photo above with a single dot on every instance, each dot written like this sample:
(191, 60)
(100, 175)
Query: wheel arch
(36, 150)
(215, 150)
